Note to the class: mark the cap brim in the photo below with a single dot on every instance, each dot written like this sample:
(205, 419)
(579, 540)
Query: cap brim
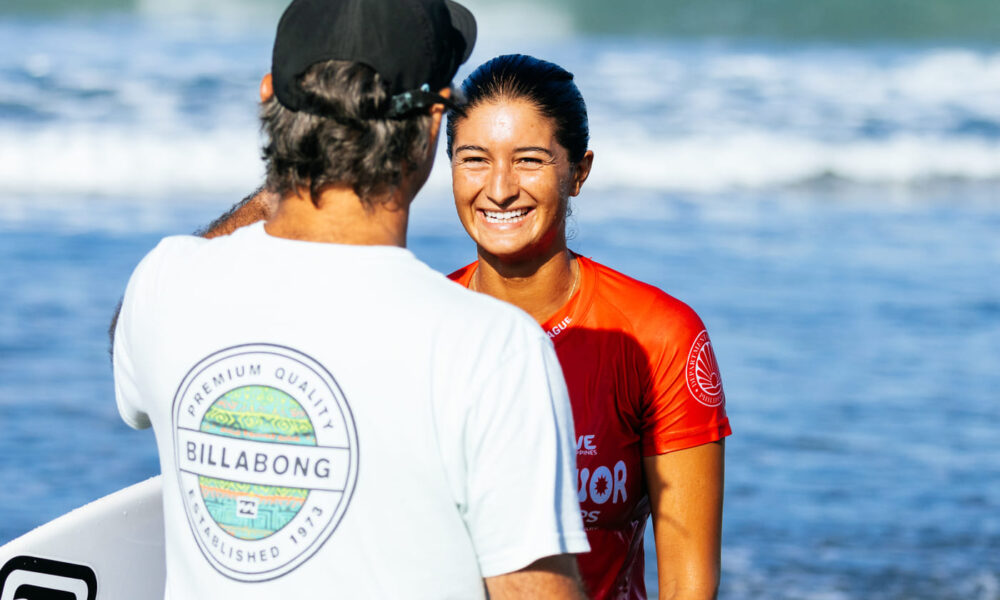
(463, 22)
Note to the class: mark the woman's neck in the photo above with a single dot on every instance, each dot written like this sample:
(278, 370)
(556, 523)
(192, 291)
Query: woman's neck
(539, 287)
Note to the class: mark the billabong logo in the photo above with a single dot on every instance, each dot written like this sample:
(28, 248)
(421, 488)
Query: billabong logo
(267, 458)
(703, 378)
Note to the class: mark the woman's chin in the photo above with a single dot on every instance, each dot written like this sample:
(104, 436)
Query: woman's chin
(506, 251)
(513, 252)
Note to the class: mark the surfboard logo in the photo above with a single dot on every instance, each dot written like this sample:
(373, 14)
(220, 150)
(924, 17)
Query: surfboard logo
(35, 578)
(703, 378)
(267, 457)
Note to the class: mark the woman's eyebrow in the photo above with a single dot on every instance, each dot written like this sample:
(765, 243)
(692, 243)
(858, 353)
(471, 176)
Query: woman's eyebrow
(470, 148)
(534, 149)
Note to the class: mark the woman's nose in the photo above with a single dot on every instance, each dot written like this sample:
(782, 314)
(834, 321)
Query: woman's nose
(503, 187)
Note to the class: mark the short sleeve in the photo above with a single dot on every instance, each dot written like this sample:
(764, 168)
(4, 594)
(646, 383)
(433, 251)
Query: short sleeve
(685, 405)
(522, 503)
(124, 359)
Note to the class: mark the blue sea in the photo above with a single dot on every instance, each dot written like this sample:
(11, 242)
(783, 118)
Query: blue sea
(825, 191)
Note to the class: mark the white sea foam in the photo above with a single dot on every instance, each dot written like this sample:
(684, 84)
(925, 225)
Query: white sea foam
(831, 93)
(127, 161)
(132, 162)
(85, 118)
(759, 159)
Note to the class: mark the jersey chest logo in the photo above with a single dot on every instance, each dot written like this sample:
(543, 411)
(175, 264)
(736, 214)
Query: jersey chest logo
(267, 457)
(703, 378)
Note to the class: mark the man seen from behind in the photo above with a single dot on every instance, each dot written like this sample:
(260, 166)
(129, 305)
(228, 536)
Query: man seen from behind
(333, 418)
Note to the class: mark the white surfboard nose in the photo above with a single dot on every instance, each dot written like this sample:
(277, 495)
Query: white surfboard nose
(81, 555)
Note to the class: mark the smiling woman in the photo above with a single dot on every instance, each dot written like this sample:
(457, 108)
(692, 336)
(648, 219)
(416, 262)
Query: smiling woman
(512, 181)
(518, 155)
(648, 405)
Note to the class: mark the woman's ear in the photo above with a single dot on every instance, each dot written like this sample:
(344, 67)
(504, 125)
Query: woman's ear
(266, 89)
(581, 171)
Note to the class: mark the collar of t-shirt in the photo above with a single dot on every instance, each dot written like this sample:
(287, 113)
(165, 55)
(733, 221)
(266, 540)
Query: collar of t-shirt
(354, 251)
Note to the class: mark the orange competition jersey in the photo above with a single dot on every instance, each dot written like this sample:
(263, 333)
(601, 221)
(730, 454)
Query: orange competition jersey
(642, 380)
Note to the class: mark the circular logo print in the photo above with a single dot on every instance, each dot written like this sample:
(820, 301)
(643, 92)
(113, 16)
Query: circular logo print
(267, 458)
(703, 379)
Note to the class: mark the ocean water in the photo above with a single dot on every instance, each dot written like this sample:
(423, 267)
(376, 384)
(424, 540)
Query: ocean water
(830, 206)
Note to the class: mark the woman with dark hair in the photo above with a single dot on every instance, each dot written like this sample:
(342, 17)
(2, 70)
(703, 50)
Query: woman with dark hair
(648, 405)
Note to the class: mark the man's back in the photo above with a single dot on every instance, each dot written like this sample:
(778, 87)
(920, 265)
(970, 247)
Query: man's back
(341, 418)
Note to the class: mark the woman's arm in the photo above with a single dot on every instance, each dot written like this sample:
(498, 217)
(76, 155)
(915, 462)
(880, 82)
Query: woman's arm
(685, 493)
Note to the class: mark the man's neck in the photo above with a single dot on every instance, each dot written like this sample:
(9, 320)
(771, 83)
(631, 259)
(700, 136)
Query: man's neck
(340, 217)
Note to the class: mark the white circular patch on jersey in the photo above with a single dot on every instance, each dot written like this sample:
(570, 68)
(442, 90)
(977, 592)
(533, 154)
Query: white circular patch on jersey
(703, 378)
(266, 452)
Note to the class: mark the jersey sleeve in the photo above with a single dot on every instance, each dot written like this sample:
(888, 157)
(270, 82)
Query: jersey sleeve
(685, 405)
(522, 503)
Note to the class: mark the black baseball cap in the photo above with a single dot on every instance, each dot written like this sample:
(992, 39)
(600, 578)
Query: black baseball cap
(415, 45)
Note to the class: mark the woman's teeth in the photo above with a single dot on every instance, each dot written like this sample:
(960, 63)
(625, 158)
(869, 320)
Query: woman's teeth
(510, 216)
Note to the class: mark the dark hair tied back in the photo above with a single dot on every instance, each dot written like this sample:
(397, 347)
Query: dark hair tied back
(546, 85)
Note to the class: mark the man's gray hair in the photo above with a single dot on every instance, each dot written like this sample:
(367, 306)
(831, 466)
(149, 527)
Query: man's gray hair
(352, 144)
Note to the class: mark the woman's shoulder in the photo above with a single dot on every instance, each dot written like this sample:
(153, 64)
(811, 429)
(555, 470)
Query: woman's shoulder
(637, 301)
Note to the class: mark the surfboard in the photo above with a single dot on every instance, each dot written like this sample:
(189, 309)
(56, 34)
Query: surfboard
(110, 549)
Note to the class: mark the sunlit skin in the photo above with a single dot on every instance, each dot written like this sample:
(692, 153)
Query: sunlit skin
(506, 159)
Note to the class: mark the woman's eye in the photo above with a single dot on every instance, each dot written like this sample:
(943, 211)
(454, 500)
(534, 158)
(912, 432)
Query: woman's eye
(530, 162)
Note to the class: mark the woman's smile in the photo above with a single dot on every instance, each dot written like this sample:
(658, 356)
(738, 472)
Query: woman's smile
(508, 217)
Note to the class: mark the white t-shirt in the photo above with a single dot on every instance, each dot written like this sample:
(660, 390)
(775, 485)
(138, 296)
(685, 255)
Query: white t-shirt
(341, 421)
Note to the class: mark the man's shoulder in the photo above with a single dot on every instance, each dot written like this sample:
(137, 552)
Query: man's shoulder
(168, 249)
(475, 309)
(176, 245)
(182, 243)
